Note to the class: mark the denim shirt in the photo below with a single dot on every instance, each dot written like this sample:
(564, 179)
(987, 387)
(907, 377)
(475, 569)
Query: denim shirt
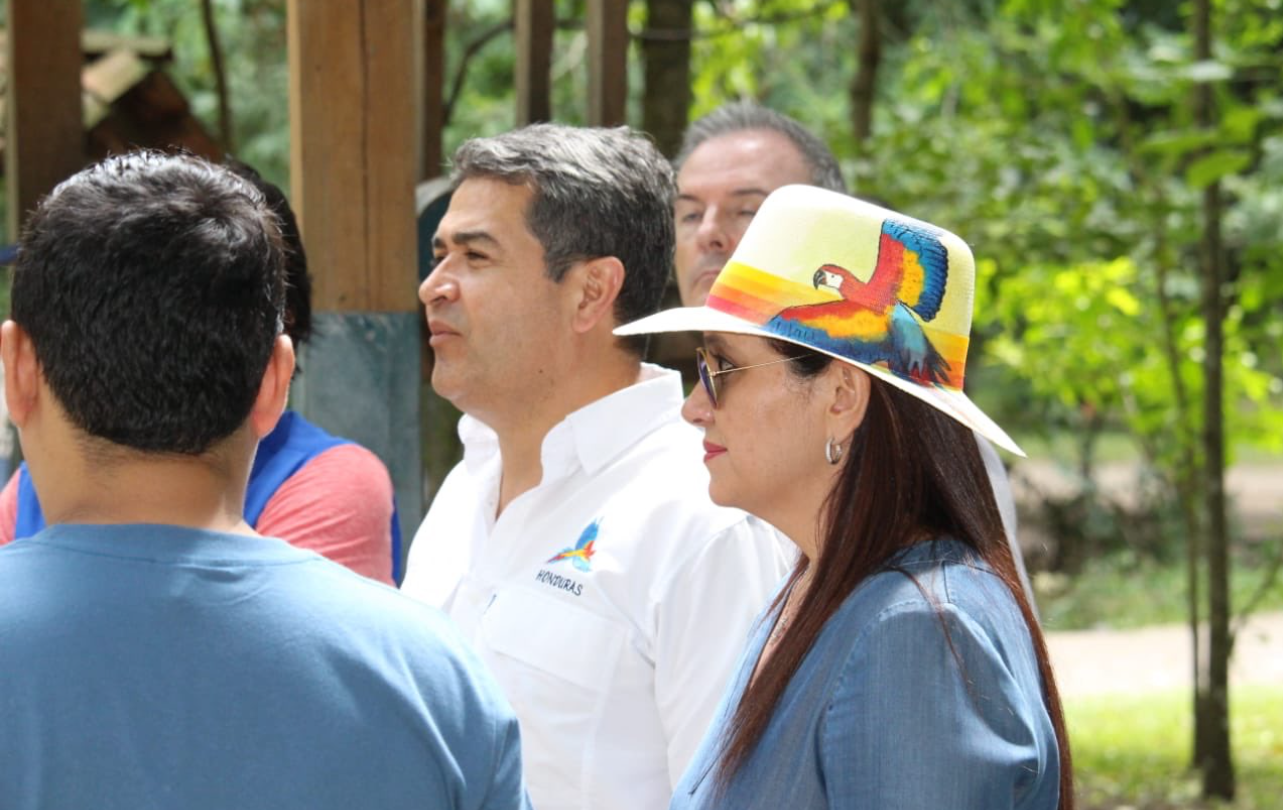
(883, 714)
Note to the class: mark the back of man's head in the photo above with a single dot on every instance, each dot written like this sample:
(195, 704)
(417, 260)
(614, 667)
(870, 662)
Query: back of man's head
(152, 289)
(742, 116)
(595, 192)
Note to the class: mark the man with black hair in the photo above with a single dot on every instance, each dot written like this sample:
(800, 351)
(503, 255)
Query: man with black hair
(154, 650)
(313, 489)
(575, 544)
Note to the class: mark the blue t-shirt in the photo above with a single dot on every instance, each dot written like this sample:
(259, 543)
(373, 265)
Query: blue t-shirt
(146, 666)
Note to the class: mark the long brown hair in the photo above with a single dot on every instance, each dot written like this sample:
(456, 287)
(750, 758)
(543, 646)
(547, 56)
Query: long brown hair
(911, 473)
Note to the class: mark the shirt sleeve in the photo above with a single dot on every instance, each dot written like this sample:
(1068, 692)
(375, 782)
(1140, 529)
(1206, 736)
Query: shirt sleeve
(9, 509)
(919, 720)
(1001, 486)
(706, 613)
(339, 505)
(507, 787)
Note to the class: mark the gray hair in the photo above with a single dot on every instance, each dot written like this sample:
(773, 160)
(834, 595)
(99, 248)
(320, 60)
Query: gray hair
(596, 192)
(742, 116)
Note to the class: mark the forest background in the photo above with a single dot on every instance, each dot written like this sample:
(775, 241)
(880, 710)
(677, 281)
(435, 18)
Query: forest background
(1116, 165)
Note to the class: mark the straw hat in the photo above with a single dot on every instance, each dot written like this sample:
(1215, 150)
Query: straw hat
(884, 292)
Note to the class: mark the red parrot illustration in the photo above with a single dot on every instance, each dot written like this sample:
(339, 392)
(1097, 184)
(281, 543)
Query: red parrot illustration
(878, 320)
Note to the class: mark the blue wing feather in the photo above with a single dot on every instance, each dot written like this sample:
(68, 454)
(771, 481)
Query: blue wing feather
(589, 535)
(934, 258)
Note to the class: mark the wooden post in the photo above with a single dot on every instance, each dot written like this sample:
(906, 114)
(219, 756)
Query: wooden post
(45, 141)
(607, 62)
(354, 162)
(533, 28)
(353, 150)
(434, 27)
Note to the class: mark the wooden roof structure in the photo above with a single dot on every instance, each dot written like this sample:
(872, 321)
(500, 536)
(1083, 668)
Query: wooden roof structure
(127, 98)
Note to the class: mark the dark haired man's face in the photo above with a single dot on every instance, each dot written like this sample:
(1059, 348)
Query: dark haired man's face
(719, 189)
(496, 319)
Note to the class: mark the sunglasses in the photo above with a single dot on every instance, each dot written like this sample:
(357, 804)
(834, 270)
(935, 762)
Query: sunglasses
(708, 377)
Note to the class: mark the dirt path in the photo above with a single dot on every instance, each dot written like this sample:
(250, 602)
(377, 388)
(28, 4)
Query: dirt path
(1255, 490)
(1094, 662)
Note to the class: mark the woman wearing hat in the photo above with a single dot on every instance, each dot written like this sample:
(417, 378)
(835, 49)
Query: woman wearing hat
(900, 666)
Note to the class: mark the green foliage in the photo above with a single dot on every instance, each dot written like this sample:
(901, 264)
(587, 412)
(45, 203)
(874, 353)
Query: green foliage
(1131, 751)
(253, 38)
(1125, 590)
(1059, 139)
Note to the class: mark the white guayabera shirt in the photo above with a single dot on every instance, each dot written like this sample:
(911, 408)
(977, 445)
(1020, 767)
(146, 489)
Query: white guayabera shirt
(611, 602)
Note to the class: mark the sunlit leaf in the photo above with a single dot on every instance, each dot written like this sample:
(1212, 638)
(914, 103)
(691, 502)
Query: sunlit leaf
(1124, 301)
(1210, 168)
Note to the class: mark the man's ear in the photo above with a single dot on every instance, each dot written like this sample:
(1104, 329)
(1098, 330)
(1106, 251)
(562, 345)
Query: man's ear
(850, 391)
(22, 374)
(596, 285)
(275, 388)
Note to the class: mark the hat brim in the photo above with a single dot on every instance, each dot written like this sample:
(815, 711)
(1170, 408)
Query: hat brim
(953, 402)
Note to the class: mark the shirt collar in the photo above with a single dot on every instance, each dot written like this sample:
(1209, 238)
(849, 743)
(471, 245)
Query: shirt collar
(596, 433)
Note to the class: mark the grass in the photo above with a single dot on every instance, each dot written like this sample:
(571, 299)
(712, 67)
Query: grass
(1131, 752)
(1120, 592)
(1111, 445)
(1118, 445)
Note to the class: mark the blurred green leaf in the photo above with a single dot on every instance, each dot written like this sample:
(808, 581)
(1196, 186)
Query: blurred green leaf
(1210, 168)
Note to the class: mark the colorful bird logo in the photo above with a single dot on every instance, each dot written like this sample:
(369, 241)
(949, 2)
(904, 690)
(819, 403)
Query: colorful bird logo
(580, 554)
(878, 320)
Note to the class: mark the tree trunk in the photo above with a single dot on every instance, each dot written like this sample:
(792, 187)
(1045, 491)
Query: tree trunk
(1213, 738)
(1187, 493)
(864, 84)
(1186, 479)
(666, 52)
(220, 76)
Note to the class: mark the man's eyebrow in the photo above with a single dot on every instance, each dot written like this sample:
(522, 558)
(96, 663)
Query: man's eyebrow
(464, 238)
(739, 192)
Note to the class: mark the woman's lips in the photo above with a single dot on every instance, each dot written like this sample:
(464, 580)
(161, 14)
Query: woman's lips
(712, 451)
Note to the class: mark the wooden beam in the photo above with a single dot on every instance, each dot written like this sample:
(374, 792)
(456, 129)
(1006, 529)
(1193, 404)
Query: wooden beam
(353, 152)
(533, 25)
(434, 27)
(96, 42)
(607, 62)
(45, 140)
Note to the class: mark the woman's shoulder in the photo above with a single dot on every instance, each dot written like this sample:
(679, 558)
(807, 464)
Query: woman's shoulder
(932, 605)
(924, 584)
(934, 573)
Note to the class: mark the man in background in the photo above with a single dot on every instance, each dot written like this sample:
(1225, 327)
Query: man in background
(310, 488)
(729, 161)
(154, 650)
(575, 544)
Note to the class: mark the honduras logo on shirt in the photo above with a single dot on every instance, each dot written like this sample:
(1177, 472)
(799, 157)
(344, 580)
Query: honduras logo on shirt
(580, 554)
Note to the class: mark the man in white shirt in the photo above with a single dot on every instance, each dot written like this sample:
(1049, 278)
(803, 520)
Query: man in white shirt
(729, 161)
(575, 545)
